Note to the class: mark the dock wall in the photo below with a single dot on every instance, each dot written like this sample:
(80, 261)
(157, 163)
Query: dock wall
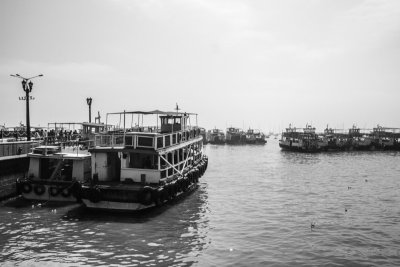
(11, 168)
(15, 148)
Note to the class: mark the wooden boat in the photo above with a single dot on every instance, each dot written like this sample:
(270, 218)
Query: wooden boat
(54, 175)
(143, 167)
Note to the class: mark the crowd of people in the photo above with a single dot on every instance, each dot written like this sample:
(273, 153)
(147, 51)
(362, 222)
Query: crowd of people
(51, 136)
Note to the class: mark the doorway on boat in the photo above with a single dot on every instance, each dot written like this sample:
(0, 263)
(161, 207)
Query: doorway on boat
(107, 166)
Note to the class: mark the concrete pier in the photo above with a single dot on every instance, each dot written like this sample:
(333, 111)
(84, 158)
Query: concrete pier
(11, 168)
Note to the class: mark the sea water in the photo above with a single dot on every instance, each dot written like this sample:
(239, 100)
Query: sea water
(255, 206)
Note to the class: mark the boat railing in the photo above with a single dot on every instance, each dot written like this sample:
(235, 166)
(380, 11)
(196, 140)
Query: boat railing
(144, 140)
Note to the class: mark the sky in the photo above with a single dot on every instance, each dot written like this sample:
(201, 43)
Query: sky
(243, 63)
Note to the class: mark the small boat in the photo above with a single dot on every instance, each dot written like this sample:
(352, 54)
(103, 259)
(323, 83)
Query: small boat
(216, 137)
(144, 167)
(54, 175)
(303, 141)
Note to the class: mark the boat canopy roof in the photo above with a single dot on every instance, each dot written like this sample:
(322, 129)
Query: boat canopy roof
(154, 112)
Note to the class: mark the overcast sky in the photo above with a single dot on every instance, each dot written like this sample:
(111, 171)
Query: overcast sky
(260, 64)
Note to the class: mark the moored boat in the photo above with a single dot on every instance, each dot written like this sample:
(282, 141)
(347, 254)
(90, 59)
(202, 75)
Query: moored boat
(303, 141)
(386, 138)
(54, 175)
(145, 167)
(216, 137)
(234, 136)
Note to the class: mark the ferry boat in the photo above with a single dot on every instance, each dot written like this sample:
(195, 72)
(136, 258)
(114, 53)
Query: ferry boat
(54, 175)
(216, 136)
(335, 139)
(386, 138)
(255, 137)
(143, 167)
(302, 141)
(235, 136)
(359, 140)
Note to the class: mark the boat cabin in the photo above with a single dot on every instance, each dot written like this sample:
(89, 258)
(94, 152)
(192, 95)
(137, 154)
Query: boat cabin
(147, 157)
(49, 163)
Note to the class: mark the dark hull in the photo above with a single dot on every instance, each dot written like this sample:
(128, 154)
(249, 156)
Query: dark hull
(217, 142)
(57, 191)
(299, 149)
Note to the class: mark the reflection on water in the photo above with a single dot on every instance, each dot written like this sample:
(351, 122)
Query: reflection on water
(71, 235)
(256, 205)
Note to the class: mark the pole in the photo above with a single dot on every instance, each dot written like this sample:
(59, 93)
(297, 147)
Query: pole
(28, 123)
(27, 86)
(89, 102)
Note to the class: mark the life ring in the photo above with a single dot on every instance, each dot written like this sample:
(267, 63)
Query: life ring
(39, 189)
(53, 191)
(145, 196)
(26, 188)
(66, 192)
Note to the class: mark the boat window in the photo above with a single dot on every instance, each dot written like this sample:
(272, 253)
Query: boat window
(145, 141)
(142, 161)
(160, 142)
(47, 167)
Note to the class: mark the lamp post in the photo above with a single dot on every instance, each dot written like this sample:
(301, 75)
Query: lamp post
(27, 86)
(89, 102)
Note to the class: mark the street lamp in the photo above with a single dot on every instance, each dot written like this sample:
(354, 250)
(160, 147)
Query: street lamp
(27, 86)
(89, 102)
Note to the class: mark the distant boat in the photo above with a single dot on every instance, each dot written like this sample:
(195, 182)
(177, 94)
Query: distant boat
(235, 136)
(304, 140)
(255, 137)
(216, 136)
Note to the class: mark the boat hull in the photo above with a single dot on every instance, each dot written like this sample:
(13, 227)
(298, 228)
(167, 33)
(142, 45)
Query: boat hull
(136, 196)
(299, 148)
(54, 191)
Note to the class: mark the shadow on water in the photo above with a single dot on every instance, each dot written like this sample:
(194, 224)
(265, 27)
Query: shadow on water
(20, 203)
(81, 213)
